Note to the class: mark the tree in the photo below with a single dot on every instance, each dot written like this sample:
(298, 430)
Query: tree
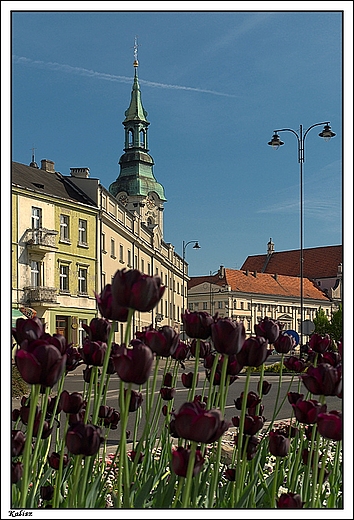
(336, 326)
(322, 324)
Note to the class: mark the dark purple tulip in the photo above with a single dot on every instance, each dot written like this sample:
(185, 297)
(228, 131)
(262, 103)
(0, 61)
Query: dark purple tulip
(46, 431)
(290, 501)
(54, 460)
(204, 348)
(40, 362)
(84, 439)
(209, 360)
(251, 443)
(46, 492)
(16, 470)
(340, 348)
(252, 423)
(73, 359)
(133, 365)
(15, 414)
(18, 440)
(58, 340)
(202, 401)
(228, 336)
(108, 307)
(330, 425)
(51, 406)
(27, 329)
(266, 386)
(180, 460)
(168, 379)
(253, 400)
(87, 374)
(307, 411)
(323, 379)
(187, 379)
(72, 403)
(268, 329)
(136, 399)
(132, 455)
(197, 324)
(284, 343)
(254, 352)
(93, 352)
(233, 365)
(24, 413)
(230, 474)
(294, 397)
(332, 358)
(294, 364)
(279, 445)
(163, 342)
(167, 393)
(319, 343)
(182, 351)
(110, 416)
(98, 330)
(194, 423)
(136, 290)
(288, 430)
(305, 453)
(75, 418)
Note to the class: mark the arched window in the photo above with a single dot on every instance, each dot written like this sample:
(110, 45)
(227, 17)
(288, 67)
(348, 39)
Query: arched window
(130, 138)
(142, 138)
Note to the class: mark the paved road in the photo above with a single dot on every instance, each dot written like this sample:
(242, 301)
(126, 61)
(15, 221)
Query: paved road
(74, 382)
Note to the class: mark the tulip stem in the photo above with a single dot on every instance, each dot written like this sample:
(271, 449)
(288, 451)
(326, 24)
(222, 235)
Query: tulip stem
(240, 432)
(275, 483)
(189, 475)
(195, 372)
(123, 473)
(59, 475)
(35, 389)
(275, 409)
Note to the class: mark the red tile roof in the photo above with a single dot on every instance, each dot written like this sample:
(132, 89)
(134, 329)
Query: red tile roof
(262, 283)
(319, 262)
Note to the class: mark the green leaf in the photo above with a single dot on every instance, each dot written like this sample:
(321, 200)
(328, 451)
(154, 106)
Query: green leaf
(144, 492)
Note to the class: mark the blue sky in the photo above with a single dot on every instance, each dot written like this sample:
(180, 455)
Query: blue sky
(215, 85)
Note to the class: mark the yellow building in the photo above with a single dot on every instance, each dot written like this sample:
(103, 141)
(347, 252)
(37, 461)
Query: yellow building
(53, 249)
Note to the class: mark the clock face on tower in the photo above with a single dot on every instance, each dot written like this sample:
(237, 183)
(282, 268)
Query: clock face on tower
(123, 199)
(150, 202)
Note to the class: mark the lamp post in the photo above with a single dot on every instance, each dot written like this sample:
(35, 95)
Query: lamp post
(275, 143)
(184, 245)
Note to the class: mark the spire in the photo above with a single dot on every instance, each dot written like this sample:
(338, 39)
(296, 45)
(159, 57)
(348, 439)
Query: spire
(136, 110)
(33, 162)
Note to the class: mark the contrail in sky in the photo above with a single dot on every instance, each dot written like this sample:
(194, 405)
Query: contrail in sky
(108, 77)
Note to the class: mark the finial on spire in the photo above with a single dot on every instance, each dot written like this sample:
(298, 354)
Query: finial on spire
(33, 162)
(136, 63)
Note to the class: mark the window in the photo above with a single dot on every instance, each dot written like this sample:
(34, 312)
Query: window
(121, 253)
(35, 273)
(149, 270)
(142, 265)
(205, 306)
(103, 280)
(103, 243)
(113, 248)
(241, 305)
(166, 309)
(64, 228)
(64, 277)
(129, 258)
(36, 218)
(219, 305)
(82, 280)
(82, 231)
(190, 306)
(249, 306)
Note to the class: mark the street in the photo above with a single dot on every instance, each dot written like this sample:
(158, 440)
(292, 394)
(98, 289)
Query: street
(74, 383)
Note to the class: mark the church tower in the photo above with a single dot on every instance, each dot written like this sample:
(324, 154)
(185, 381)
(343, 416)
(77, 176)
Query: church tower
(136, 186)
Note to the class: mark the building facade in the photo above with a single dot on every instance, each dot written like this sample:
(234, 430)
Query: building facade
(250, 296)
(53, 249)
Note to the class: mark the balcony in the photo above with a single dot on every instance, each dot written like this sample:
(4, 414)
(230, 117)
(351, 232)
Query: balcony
(40, 240)
(40, 296)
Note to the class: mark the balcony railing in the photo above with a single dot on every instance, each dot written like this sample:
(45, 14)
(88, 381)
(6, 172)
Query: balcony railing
(40, 295)
(41, 239)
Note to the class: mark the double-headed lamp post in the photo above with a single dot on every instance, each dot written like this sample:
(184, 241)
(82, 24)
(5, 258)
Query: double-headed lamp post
(275, 143)
(184, 245)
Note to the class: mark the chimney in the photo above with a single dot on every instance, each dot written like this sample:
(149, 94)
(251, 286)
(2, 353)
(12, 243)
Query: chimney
(221, 272)
(82, 173)
(47, 166)
(247, 271)
(276, 276)
(255, 274)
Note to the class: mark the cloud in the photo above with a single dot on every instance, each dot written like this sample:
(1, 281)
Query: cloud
(68, 69)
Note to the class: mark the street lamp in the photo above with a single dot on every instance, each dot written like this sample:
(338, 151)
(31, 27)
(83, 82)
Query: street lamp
(184, 245)
(275, 143)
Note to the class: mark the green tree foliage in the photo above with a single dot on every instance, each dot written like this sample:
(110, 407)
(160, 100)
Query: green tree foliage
(322, 324)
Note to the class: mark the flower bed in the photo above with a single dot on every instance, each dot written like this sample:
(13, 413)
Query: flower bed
(194, 458)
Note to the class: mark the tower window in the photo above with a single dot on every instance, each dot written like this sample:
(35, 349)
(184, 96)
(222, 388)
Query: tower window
(142, 138)
(130, 138)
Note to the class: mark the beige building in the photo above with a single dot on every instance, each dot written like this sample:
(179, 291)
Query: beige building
(249, 296)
